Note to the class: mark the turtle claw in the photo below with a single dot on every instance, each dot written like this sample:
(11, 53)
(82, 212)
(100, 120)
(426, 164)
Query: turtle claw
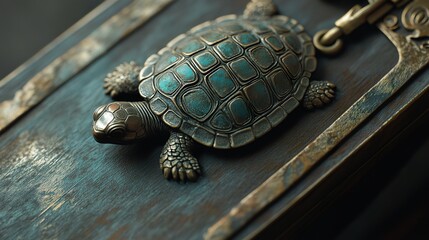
(174, 173)
(167, 172)
(185, 169)
(176, 161)
(182, 175)
(112, 93)
(123, 81)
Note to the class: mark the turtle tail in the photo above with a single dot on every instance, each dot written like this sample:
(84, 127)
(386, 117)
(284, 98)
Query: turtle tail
(260, 8)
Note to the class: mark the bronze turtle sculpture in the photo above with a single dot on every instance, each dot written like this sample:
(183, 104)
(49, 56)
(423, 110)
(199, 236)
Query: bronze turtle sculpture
(223, 84)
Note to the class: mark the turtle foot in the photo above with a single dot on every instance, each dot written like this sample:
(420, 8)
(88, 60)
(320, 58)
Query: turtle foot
(318, 94)
(177, 162)
(260, 8)
(182, 169)
(123, 81)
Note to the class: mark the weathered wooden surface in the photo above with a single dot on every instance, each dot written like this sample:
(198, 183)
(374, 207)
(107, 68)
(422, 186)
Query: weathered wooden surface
(327, 180)
(56, 181)
(65, 66)
(412, 59)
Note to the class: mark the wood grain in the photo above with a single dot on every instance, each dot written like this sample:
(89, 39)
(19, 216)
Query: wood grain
(412, 59)
(76, 58)
(57, 182)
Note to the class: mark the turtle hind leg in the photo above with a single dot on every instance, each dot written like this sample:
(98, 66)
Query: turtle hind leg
(123, 82)
(318, 94)
(176, 161)
(260, 8)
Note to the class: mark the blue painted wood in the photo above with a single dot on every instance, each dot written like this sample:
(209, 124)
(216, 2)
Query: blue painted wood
(13, 82)
(57, 182)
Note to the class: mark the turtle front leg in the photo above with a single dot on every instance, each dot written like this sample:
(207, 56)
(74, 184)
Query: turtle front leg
(318, 94)
(123, 82)
(176, 161)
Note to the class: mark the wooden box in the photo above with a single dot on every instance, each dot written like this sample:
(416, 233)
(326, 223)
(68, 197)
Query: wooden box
(57, 182)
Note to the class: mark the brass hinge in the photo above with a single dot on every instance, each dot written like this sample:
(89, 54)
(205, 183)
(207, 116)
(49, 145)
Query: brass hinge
(329, 41)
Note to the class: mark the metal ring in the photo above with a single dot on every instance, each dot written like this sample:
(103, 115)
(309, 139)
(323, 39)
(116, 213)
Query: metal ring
(331, 49)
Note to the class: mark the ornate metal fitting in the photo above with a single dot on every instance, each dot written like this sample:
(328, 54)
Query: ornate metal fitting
(222, 84)
(415, 17)
(227, 82)
(329, 41)
(413, 52)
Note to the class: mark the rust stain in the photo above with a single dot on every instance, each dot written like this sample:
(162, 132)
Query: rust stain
(412, 58)
(104, 218)
(119, 234)
(101, 221)
(78, 57)
(142, 211)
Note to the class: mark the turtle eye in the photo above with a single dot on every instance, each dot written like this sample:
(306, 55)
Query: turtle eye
(117, 133)
(97, 113)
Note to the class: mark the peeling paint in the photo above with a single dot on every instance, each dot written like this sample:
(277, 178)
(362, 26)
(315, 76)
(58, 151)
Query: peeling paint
(412, 58)
(78, 57)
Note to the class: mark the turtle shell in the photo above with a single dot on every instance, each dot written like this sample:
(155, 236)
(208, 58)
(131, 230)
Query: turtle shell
(227, 82)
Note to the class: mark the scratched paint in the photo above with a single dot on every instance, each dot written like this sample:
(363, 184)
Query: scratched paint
(78, 57)
(412, 58)
(36, 154)
(113, 189)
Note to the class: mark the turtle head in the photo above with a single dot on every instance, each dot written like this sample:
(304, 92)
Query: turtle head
(119, 123)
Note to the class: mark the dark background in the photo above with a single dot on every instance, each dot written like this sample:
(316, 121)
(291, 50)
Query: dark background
(390, 201)
(26, 26)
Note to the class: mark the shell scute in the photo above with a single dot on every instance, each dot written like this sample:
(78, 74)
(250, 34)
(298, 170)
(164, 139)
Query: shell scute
(197, 103)
(227, 82)
(221, 82)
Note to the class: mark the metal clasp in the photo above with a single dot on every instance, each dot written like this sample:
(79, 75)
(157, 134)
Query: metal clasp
(329, 41)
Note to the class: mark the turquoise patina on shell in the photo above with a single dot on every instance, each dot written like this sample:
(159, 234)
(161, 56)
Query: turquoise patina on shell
(205, 60)
(240, 111)
(167, 60)
(243, 69)
(221, 82)
(185, 73)
(228, 49)
(262, 57)
(197, 103)
(259, 95)
(246, 39)
(230, 81)
(168, 83)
